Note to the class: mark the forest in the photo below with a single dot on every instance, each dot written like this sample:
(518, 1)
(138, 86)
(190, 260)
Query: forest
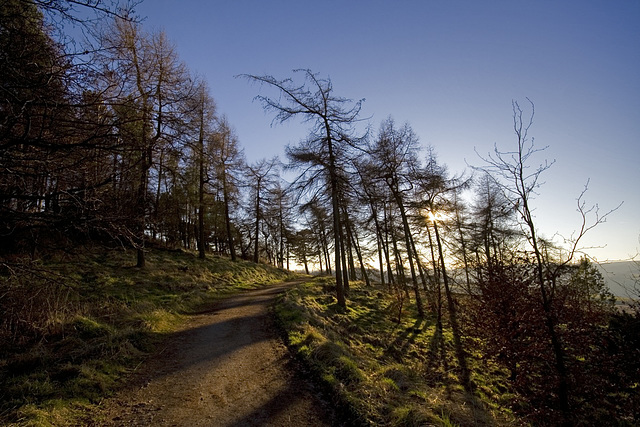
(113, 142)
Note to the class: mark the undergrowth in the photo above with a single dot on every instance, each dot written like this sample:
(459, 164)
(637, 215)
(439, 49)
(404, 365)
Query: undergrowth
(73, 326)
(383, 372)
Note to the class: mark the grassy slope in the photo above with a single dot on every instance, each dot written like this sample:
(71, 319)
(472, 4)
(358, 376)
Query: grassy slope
(102, 318)
(388, 373)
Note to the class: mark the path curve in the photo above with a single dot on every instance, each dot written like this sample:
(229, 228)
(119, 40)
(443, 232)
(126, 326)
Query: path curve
(227, 367)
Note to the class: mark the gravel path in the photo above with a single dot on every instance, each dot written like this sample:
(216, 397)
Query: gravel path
(227, 367)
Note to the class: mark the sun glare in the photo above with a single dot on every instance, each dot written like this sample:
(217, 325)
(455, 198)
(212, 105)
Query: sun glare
(435, 216)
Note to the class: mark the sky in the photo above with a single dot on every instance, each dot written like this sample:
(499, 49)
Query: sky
(450, 69)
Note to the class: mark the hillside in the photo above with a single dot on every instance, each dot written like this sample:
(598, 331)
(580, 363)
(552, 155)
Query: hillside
(77, 324)
(621, 277)
(386, 365)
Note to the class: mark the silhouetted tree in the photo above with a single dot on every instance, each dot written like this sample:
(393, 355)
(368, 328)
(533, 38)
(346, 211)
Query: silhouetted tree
(205, 116)
(229, 161)
(437, 194)
(146, 67)
(325, 149)
(394, 154)
(512, 173)
(261, 175)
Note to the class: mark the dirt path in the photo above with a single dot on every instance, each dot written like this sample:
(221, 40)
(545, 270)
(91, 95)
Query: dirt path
(226, 368)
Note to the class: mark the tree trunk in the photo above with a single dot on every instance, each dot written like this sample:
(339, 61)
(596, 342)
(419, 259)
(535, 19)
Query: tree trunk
(320, 259)
(421, 271)
(227, 218)
(340, 286)
(156, 204)
(551, 324)
(407, 237)
(386, 247)
(142, 211)
(201, 181)
(350, 245)
(325, 250)
(256, 254)
(380, 256)
(356, 245)
(399, 265)
(453, 318)
(281, 233)
(345, 266)
(436, 281)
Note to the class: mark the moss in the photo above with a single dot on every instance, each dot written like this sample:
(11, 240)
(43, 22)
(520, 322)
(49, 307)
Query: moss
(400, 375)
(389, 384)
(89, 328)
(446, 420)
(408, 416)
(330, 379)
(160, 320)
(288, 315)
(347, 370)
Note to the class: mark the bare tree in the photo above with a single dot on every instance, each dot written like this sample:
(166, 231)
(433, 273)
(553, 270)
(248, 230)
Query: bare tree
(332, 134)
(229, 161)
(146, 74)
(317, 220)
(372, 194)
(278, 213)
(512, 172)
(55, 134)
(205, 113)
(262, 174)
(394, 155)
(437, 192)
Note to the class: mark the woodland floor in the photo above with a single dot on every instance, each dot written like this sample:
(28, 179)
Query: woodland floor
(226, 367)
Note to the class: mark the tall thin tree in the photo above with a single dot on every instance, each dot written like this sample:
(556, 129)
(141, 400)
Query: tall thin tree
(332, 133)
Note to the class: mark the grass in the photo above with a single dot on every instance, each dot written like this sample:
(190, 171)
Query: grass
(381, 372)
(74, 325)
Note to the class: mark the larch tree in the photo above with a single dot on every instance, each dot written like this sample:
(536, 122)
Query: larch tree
(278, 217)
(437, 192)
(55, 133)
(262, 175)
(317, 219)
(145, 67)
(394, 155)
(372, 195)
(204, 110)
(332, 134)
(494, 224)
(33, 96)
(228, 160)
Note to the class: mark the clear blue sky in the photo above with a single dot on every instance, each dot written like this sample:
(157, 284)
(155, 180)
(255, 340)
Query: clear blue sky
(451, 69)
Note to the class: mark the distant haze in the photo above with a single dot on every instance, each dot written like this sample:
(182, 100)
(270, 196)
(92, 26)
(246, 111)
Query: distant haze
(621, 277)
